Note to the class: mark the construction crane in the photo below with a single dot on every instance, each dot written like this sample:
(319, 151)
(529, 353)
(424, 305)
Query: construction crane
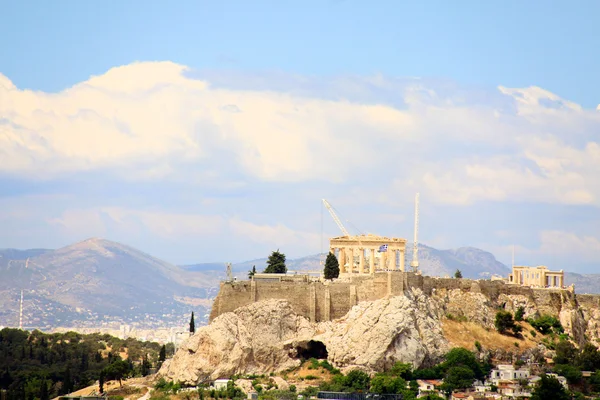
(414, 264)
(335, 218)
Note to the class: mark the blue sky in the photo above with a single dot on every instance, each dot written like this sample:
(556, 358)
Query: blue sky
(215, 128)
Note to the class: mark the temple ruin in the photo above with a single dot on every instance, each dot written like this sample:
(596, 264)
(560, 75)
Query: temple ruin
(540, 277)
(367, 254)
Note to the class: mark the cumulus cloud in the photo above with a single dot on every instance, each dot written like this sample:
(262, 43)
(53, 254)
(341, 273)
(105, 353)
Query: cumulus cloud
(156, 120)
(237, 143)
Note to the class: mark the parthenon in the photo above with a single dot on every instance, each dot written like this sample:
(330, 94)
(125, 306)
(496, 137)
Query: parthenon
(368, 253)
(539, 276)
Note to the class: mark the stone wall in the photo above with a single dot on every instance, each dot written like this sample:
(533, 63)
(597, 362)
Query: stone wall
(324, 301)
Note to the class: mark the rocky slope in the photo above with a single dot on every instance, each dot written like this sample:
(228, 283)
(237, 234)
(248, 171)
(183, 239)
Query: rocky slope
(268, 336)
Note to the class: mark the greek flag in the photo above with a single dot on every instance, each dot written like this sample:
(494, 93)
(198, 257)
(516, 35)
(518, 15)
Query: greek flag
(383, 248)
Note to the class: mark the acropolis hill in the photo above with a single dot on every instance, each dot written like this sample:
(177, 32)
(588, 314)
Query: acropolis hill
(373, 315)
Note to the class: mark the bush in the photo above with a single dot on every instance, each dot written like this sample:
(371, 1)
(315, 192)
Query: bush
(546, 324)
(519, 313)
(533, 333)
(478, 345)
(310, 377)
(504, 322)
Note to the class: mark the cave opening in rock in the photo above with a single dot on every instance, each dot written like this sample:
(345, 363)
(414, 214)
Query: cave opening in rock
(312, 349)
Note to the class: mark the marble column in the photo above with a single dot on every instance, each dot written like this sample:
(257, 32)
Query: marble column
(361, 261)
(342, 259)
(393, 256)
(402, 260)
(372, 262)
(351, 261)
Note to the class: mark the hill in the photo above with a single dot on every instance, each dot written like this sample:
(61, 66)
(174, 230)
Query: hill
(96, 280)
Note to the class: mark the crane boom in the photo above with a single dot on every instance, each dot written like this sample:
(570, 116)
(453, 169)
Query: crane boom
(335, 218)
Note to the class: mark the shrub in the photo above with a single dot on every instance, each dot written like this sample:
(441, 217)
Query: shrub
(519, 313)
(478, 345)
(310, 377)
(533, 333)
(504, 321)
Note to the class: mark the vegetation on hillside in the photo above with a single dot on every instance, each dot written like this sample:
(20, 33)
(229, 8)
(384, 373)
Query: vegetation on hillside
(35, 365)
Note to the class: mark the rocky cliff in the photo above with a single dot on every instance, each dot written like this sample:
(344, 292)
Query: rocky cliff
(269, 336)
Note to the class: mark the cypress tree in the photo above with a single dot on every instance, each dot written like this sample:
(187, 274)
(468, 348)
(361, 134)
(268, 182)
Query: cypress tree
(332, 267)
(192, 324)
(44, 395)
(101, 382)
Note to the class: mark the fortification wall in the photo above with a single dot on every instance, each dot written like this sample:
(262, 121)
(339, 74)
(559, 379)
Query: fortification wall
(325, 301)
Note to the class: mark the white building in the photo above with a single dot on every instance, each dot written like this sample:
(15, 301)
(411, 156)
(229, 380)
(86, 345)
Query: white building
(507, 373)
(219, 384)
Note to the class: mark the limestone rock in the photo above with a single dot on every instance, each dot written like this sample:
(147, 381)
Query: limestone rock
(512, 302)
(281, 383)
(475, 307)
(375, 335)
(245, 385)
(267, 336)
(247, 340)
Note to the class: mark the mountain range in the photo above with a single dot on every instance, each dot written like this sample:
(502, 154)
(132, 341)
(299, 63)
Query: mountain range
(98, 281)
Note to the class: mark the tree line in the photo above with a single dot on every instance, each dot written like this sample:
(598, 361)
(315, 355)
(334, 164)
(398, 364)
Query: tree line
(36, 365)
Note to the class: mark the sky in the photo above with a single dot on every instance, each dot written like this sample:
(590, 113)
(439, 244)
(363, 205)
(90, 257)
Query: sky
(204, 131)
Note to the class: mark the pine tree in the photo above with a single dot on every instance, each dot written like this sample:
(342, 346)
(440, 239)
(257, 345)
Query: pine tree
(332, 267)
(458, 274)
(252, 272)
(276, 263)
(192, 324)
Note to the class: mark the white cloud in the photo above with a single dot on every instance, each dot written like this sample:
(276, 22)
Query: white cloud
(151, 121)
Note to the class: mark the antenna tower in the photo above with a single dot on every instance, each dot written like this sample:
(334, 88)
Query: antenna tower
(415, 261)
(229, 273)
(21, 303)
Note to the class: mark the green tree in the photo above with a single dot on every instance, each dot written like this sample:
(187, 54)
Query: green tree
(332, 267)
(458, 274)
(549, 388)
(573, 374)
(357, 380)
(459, 377)
(44, 395)
(566, 353)
(192, 325)
(252, 272)
(504, 322)
(387, 384)
(519, 313)
(117, 370)
(461, 357)
(403, 370)
(162, 355)
(589, 358)
(276, 263)
(101, 382)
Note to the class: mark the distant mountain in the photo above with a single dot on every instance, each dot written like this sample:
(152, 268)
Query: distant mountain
(96, 280)
(472, 262)
(584, 283)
